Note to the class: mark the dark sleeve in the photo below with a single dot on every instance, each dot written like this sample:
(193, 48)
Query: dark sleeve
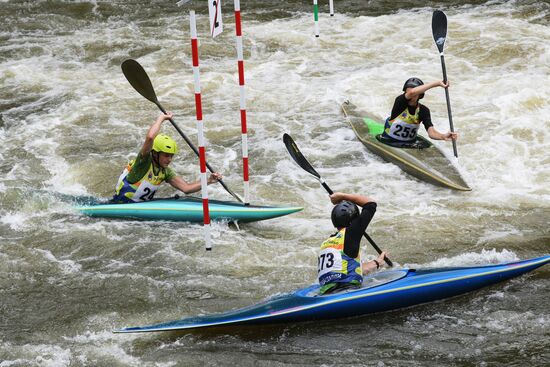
(425, 116)
(355, 231)
(399, 105)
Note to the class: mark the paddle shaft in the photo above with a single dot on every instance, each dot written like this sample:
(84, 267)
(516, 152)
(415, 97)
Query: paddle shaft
(448, 102)
(439, 32)
(192, 146)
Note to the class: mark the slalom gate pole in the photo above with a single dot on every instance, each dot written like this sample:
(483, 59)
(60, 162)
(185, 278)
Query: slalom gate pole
(331, 7)
(242, 100)
(316, 17)
(200, 133)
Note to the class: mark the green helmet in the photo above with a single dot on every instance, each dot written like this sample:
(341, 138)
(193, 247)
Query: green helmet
(164, 143)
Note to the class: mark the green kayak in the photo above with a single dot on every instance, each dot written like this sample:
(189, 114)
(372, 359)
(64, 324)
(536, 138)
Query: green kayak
(188, 209)
(422, 159)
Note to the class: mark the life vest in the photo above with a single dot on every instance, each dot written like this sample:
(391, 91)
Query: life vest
(404, 126)
(142, 190)
(334, 266)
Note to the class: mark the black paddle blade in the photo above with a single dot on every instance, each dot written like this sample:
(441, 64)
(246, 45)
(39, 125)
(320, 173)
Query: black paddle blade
(439, 29)
(298, 156)
(138, 78)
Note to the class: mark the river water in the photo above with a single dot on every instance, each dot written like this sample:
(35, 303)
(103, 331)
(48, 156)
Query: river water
(69, 121)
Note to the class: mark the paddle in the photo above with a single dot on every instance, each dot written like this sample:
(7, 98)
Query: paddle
(302, 162)
(138, 78)
(439, 31)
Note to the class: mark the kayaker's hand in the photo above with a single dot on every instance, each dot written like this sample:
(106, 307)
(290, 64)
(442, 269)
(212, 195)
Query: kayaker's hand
(214, 177)
(336, 197)
(381, 258)
(166, 116)
(442, 84)
(373, 265)
(451, 136)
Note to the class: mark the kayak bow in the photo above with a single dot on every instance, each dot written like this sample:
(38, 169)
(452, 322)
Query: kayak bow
(382, 291)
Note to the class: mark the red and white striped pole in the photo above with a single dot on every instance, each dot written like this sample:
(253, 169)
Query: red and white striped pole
(202, 150)
(240, 65)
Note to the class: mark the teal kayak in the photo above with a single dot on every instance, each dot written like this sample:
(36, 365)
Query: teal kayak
(421, 159)
(382, 291)
(188, 209)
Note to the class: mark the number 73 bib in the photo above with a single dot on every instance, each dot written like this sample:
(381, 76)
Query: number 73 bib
(329, 260)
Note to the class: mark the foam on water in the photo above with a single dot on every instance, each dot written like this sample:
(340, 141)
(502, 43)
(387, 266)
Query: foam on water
(66, 266)
(327, 90)
(492, 256)
(361, 58)
(70, 122)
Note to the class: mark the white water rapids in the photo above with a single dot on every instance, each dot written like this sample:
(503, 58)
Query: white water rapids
(69, 121)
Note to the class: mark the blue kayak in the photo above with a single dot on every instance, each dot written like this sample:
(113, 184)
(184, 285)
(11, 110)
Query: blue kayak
(187, 209)
(382, 291)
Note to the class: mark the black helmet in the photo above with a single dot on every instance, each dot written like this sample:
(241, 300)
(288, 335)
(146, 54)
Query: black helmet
(343, 213)
(413, 83)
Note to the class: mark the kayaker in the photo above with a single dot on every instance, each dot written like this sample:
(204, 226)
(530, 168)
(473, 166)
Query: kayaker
(142, 176)
(339, 262)
(407, 114)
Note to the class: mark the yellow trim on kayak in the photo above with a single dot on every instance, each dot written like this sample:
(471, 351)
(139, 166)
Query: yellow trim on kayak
(380, 147)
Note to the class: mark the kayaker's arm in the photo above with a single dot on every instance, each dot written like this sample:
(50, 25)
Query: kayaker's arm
(359, 200)
(373, 265)
(153, 132)
(354, 232)
(189, 188)
(436, 135)
(358, 226)
(421, 89)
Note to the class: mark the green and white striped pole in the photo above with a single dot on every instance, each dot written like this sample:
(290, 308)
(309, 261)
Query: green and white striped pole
(316, 17)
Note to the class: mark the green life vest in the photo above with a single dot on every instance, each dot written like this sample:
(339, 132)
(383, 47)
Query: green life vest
(142, 190)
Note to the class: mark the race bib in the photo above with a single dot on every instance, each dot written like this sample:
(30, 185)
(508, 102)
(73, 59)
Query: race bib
(329, 260)
(403, 131)
(145, 191)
